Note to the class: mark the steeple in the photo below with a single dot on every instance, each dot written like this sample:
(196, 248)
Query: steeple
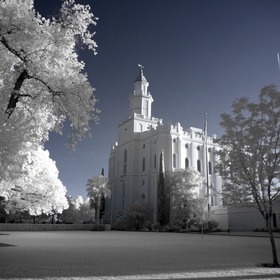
(141, 77)
(140, 102)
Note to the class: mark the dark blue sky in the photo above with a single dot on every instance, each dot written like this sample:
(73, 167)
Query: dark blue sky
(199, 55)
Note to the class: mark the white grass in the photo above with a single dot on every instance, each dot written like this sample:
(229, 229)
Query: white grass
(217, 274)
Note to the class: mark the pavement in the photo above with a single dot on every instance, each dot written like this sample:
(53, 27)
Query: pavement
(113, 255)
(246, 233)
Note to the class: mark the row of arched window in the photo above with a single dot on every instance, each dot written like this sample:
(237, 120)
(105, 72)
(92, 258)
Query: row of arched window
(198, 164)
(187, 163)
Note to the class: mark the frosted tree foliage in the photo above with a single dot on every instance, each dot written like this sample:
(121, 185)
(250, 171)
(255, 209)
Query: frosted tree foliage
(251, 155)
(187, 196)
(40, 191)
(42, 83)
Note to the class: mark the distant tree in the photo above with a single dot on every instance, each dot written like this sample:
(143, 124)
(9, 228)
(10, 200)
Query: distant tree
(163, 195)
(42, 80)
(98, 187)
(39, 192)
(137, 212)
(79, 211)
(186, 190)
(251, 155)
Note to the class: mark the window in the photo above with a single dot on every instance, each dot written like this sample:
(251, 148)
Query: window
(155, 161)
(143, 165)
(198, 148)
(125, 162)
(199, 165)
(174, 140)
(174, 160)
(210, 168)
(209, 150)
(187, 163)
(187, 146)
(122, 195)
(144, 146)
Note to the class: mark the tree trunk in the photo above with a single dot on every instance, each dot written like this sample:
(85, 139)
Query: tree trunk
(14, 97)
(272, 242)
(97, 211)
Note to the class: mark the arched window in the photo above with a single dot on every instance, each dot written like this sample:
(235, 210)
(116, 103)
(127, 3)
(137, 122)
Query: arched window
(210, 169)
(122, 195)
(125, 161)
(187, 163)
(155, 161)
(174, 160)
(199, 165)
(143, 165)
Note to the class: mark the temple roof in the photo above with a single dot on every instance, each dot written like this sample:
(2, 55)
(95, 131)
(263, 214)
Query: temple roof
(141, 77)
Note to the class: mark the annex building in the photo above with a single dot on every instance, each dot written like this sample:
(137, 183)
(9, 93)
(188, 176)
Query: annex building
(135, 157)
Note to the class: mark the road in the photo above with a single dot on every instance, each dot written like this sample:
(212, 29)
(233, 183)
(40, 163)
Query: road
(109, 254)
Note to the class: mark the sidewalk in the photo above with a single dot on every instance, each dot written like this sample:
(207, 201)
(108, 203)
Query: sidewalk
(245, 233)
(229, 274)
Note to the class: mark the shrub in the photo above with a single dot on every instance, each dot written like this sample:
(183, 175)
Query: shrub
(156, 226)
(147, 225)
(212, 225)
(126, 223)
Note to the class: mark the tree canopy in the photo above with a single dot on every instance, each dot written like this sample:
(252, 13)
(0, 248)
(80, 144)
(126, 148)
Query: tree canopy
(251, 154)
(42, 84)
(187, 196)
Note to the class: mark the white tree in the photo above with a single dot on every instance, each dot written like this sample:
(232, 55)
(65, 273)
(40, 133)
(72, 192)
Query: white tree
(79, 211)
(40, 64)
(39, 192)
(42, 82)
(97, 187)
(186, 191)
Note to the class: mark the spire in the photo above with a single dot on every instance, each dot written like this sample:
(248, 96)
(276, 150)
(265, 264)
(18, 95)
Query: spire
(141, 77)
(140, 102)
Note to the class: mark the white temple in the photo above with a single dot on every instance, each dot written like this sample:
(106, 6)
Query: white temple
(134, 159)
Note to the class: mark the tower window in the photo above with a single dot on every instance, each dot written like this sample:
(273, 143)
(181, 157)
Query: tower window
(187, 146)
(210, 167)
(198, 148)
(199, 165)
(143, 165)
(125, 162)
(122, 195)
(187, 164)
(155, 161)
(174, 160)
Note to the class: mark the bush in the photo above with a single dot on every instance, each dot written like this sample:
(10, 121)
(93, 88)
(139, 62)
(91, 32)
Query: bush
(147, 225)
(127, 223)
(212, 225)
(156, 226)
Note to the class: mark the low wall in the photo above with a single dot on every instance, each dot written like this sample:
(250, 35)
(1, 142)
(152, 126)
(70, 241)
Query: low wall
(52, 227)
(242, 218)
(220, 215)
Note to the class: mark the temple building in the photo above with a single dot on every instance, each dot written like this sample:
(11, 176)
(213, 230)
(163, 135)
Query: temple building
(135, 157)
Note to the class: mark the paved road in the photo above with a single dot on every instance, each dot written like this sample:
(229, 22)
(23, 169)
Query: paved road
(93, 255)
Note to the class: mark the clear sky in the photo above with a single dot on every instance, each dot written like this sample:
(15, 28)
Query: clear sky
(199, 56)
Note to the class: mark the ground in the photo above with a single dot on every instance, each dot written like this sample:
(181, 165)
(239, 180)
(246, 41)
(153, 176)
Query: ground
(94, 255)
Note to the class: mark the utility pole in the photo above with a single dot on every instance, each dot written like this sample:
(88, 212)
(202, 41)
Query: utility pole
(207, 167)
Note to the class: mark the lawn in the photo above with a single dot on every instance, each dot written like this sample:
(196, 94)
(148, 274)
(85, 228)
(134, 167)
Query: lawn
(93, 253)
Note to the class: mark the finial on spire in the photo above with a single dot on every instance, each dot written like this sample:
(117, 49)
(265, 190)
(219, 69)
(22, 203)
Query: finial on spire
(141, 67)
